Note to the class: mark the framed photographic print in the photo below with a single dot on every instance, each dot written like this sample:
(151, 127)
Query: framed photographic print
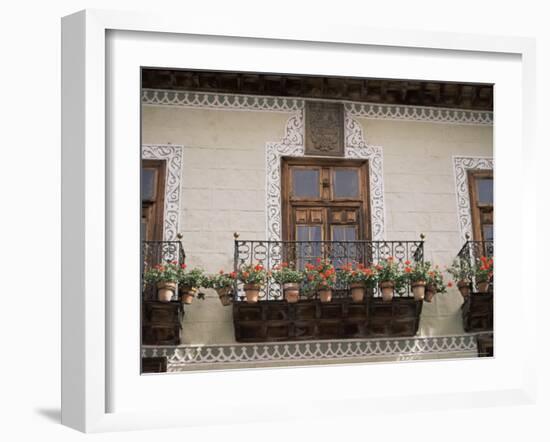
(315, 210)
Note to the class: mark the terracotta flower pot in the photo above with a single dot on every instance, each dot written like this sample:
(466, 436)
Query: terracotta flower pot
(357, 292)
(464, 288)
(387, 288)
(252, 292)
(430, 293)
(166, 290)
(325, 295)
(186, 294)
(292, 292)
(224, 294)
(483, 286)
(419, 290)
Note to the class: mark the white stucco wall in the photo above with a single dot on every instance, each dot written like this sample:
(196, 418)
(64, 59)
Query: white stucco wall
(223, 191)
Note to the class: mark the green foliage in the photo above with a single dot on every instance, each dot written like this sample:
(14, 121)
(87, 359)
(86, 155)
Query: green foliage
(388, 270)
(435, 279)
(417, 271)
(321, 276)
(166, 272)
(284, 274)
(252, 274)
(484, 269)
(461, 270)
(220, 280)
(191, 278)
(358, 274)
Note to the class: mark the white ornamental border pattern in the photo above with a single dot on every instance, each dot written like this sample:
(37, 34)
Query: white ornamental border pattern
(461, 166)
(172, 154)
(419, 113)
(195, 356)
(200, 100)
(292, 145)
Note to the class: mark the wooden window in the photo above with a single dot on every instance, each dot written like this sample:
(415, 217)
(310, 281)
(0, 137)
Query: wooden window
(481, 201)
(152, 199)
(324, 200)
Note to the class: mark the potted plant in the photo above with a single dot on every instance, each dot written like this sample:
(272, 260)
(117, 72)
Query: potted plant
(289, 279)
(322, 277)
(390, 277)
(462, 273)
(188, 283)
(223, 283)
(165, 276)
(483, 273)
(435, 284)
(417, 276)
(357, 278)
(253, 277)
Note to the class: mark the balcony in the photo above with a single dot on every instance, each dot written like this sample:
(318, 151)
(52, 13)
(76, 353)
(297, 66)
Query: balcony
(273, 319)
(160, 321)
(477, 310)
(299, 253)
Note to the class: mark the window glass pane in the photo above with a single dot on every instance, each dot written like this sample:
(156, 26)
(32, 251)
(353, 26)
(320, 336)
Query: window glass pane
(343, 253)
(305, 183)
(346, 183)
(488, 232)
(343, 233)
(143, 230)
(308, 252)
(148, 177)
(485, 190)
(308, 233)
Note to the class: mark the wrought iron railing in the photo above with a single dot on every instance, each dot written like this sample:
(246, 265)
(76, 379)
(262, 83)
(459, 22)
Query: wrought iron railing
(159, 252)
(272, 253)
(471, 252)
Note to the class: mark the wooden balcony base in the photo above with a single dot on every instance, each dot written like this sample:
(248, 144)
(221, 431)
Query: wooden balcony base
(477, 312)
(161, 322)
(268, 321)
(154, 365)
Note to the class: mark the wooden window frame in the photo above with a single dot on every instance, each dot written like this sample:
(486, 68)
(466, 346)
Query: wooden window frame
(474, 175)
(362, 202)
(157, 233)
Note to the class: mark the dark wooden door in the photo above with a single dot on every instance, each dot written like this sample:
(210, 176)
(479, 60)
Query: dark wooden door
(481, 201)
(324, 200)
(153, 177)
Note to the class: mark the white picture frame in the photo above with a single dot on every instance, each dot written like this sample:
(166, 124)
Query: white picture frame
(89, 187)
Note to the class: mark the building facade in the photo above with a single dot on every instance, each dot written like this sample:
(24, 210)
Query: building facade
(222, 163)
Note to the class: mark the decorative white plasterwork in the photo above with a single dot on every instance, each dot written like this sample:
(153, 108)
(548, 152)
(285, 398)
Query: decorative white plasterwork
(157, 97)
(461, 166)
(419, 113)
(292, 144)
(357, 147)
(172, 154)
(202, 100)
(195, 356)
